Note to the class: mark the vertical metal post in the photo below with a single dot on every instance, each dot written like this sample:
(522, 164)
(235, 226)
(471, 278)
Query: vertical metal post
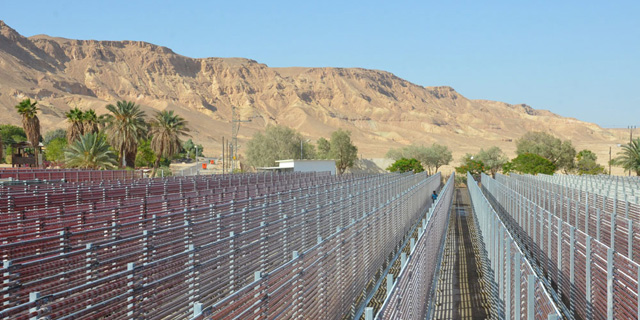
(630, 242)
(588, 278)
(389, 283)
(572, 261)
(197, 309)
(610, 283)
(518, 282)
(509, 266)
(531, 301)
(559, 249)
(598, 224)
(638, 291)
(33, 297)
(368, 313)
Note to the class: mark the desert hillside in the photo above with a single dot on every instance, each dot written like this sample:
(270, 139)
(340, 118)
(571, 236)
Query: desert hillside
(382, 110)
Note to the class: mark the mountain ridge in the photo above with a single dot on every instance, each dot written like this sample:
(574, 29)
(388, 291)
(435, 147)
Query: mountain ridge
(381, 109)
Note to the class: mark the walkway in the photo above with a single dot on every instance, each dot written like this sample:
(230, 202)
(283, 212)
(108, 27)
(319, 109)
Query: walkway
(460, 290)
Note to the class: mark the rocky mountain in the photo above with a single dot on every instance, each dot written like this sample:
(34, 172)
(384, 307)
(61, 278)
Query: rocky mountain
(382, 110)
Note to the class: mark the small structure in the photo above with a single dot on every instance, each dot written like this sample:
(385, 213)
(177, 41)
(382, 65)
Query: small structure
(293, 165)
(24, 155)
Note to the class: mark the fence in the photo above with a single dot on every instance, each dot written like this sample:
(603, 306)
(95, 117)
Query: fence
(266, 245)
(590, 279)
(610, 220)
(413, 289)
(69, 175)
(519, 288)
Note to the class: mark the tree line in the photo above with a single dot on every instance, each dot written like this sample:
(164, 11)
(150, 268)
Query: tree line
(541, 152)
(120, 138)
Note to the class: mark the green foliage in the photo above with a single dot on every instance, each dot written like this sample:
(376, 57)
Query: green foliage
(560, 153)
(145, 156)
(324, 148)
(437, 156)
(492, 158)
(629, 157)
(406, 165)
(189, 150)
(343, 150)
(30, 121)
(586, 163)
(276, 143)
(54, 151)
(90, 151)
(530, 163)
(53, 134)
(432, 157)
(166, 129)
(90, 122)
(75, 118)
(471, 165)
(12, 134)
(164, 171)
(125, 127)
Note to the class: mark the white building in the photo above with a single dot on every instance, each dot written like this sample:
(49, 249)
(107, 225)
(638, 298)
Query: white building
(293, 165)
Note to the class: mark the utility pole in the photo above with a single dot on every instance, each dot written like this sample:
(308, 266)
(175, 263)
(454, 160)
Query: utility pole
(631, 140)
(609, 160)
(235, 127)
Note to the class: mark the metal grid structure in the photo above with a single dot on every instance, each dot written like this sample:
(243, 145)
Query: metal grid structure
(519, 287)
(608, 219)
(620, 187)
(412, 291)
(69, 175)
(325, 279)
(200, 246)
(590, 279)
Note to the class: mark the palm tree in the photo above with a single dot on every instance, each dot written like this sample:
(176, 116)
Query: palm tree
(90, 121)
(629, 157)
(165, 132)
(125, 127)
(30, 122)
(75, 118)
(90, 151)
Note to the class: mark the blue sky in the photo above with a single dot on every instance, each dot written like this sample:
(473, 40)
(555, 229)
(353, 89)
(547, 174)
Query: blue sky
(576, 58)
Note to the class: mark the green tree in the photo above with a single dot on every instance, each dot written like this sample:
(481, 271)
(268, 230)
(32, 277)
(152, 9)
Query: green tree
(432, 158)
(10, 134)
(54, 151)
(90, 122)
(53, 134)
(629, 157)
(276, 143)
(437, 156)
(324, 148)
(471, 165)
(145, 156)
(493, 159)
(75, 118)
(406, 165)
(560, 153)
(30, 122)
(190, 148)
(586, 163)
(90, 151)
(530, 163)
(342, 150)
(166, 129)
(125, 127)
(419, 153)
